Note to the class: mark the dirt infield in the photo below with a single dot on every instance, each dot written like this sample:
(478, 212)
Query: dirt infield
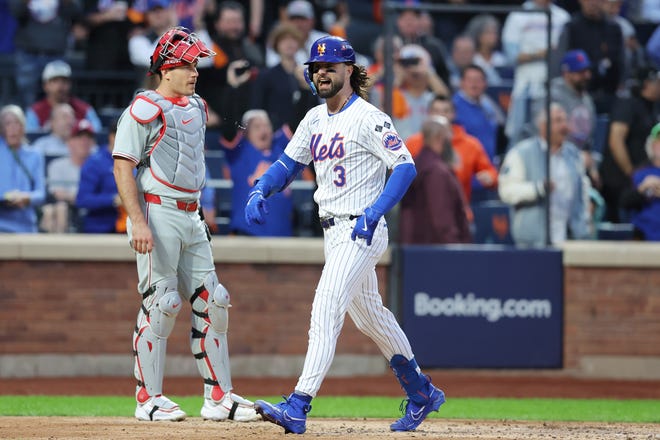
(119, 428)
(455, 384)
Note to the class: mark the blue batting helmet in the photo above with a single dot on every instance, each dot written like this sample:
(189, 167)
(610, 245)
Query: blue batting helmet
(330, 49)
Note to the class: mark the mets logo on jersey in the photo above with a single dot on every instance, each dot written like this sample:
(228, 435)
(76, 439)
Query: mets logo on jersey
(320, 49)
(392, 141)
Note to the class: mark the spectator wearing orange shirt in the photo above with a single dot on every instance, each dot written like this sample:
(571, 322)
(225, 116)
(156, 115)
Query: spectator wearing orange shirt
(472, 162)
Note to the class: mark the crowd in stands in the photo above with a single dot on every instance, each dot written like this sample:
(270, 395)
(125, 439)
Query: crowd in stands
(469, 96)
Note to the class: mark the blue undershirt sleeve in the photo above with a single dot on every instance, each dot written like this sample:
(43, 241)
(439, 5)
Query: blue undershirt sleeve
(279, 175)
(395, 188)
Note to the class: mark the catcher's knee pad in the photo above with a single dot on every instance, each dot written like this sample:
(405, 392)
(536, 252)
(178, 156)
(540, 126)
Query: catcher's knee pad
(219, 309)
(164, 307)
(218, 303)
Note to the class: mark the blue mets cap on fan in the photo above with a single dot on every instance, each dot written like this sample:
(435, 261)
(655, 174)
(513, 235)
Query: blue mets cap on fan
(331, 49)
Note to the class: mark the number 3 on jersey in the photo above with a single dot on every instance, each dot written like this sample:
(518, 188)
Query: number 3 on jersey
(341, 175)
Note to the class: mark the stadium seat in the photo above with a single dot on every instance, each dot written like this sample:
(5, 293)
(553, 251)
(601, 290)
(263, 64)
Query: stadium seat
(306, 215)
(8, 90)
(501, 95)
(34, 135)
(109, 115)
(212, 139)
(48, 158)
(615, 231)
(492, 222)
(222, 203)
(215, 162)
(505, 72)
(600, 135)
(102, 137)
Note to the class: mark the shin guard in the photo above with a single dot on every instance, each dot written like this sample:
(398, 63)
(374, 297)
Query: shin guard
(210, 305)
(156, 318)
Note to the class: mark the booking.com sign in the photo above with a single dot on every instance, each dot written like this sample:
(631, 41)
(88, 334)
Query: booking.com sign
(464, 306)
(491, 309)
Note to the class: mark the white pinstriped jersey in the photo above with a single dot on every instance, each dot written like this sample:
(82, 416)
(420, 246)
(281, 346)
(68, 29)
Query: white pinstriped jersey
(351, 151)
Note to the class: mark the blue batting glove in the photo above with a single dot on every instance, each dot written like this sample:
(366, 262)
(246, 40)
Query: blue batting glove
(366, 225)
(256, 208)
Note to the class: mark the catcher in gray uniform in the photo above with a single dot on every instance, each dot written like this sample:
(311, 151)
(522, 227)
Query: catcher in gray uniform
(162, 135)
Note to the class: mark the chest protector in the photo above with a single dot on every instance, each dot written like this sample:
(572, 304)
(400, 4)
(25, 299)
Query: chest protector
(177, 157)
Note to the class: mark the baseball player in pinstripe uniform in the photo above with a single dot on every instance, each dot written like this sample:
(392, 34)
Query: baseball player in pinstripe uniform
(162, 135)
(351, 144)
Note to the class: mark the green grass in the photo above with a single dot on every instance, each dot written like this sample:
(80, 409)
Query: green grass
(587, 410)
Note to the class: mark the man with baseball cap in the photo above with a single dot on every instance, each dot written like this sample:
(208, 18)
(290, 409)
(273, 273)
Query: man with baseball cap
(56, 81)
(43, 33)
(571, 91)
(160, 171)
(300, 9)
(56, 69)
(591, 30)
(62, 179)
(300, 13)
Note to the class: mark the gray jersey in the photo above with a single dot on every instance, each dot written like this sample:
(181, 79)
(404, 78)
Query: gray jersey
(169, 136)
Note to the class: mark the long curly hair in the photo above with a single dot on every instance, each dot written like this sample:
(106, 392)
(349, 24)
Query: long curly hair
(360, 81)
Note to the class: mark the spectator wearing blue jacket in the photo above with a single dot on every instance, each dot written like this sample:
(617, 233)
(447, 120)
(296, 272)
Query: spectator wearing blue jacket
(248, 160)
(22, 174)
(98, 198)
(476, 111)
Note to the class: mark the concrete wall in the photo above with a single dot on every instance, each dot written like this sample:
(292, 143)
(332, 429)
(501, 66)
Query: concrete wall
(612, 309)
(68, 305)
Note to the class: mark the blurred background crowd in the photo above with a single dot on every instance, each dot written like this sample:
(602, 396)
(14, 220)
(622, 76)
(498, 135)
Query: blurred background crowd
(469, 97)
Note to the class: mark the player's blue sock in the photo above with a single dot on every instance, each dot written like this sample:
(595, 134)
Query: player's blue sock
(302, 396)
(416, 385)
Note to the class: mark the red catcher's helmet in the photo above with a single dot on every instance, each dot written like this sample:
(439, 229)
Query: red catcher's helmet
(177, 47)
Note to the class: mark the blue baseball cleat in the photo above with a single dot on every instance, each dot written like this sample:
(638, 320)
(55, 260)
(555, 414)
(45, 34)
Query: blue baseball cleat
(415, 413)
(290, 414)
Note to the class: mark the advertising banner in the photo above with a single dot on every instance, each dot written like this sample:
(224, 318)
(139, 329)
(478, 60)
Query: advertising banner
(483, 307)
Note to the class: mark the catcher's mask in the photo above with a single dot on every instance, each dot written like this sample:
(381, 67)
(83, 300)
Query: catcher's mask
(177, 47)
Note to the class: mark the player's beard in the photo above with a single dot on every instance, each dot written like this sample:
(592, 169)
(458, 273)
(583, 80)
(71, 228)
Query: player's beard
(581, 86)
(335, 87)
